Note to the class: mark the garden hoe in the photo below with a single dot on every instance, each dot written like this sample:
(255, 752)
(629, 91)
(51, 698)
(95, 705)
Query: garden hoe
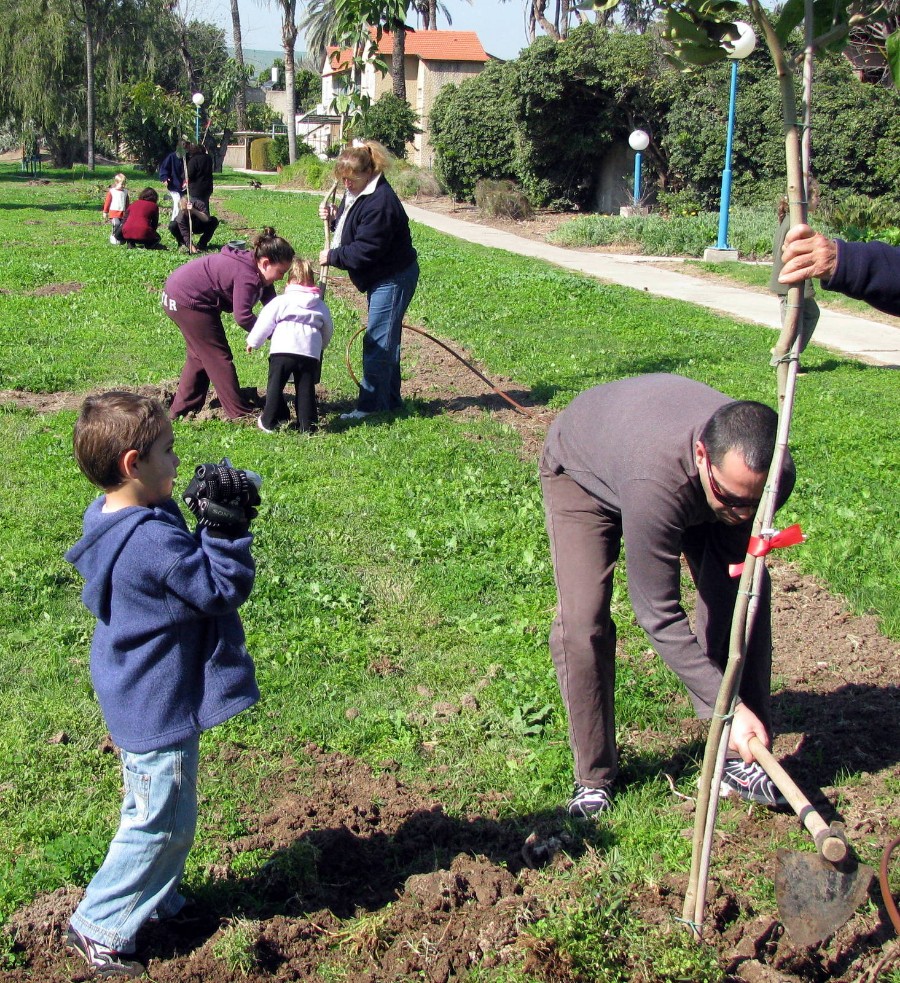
(816, 892)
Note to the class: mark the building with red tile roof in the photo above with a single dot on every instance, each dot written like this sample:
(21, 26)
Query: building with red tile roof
(432, 59)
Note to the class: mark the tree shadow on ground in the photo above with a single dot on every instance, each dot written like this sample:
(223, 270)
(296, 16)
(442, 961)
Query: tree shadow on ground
(71, 206)
(852, 729)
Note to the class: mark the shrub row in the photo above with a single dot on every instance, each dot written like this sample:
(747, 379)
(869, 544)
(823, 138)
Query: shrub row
(549, 119)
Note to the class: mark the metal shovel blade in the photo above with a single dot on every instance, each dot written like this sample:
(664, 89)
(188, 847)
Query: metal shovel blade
(815, 897)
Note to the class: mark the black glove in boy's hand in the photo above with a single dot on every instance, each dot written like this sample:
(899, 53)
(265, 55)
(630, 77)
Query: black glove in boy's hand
(223, 498)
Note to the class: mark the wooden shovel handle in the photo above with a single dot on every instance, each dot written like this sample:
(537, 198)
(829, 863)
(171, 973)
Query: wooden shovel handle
(832, 846)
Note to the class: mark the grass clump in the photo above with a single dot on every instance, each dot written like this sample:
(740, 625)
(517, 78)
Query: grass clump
(502, 199)
(413, 182)
(601, 938)
(308, 172)
(237, 946)
(751, 232)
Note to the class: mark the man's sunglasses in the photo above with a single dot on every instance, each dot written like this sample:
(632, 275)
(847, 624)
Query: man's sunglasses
(730, 501)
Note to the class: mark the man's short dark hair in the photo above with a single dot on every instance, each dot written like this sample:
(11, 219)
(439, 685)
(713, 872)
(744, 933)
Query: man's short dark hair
(110, 424)
(745, 426)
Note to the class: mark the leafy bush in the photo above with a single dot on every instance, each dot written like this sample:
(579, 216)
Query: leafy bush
(262, 154)
(390, 121)
(152, 122)
(684, 202)
(472, 131)
(411, 182)
(574, 100)
(860, 218)
(309, 172)
(855, 152)
(502, 199)
(278, 153)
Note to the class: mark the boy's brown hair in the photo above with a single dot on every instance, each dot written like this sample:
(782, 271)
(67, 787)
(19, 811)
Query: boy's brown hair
(110, 424)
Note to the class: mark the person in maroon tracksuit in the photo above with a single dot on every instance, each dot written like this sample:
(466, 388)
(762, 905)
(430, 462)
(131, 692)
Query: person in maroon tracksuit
(141, 220)
(194, 297)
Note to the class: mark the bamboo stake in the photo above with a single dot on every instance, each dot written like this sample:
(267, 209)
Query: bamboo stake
(746, 605)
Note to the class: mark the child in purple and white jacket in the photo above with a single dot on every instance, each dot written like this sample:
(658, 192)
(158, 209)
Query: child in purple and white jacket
(300, 326)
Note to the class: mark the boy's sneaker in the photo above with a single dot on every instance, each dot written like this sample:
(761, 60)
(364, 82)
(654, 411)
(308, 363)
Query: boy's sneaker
(259, 423)
(106, 962)
(751, 783)
(113, 241)
(587, 802)
(355, 415)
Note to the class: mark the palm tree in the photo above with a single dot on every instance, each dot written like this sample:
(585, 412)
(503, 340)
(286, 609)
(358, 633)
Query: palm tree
(241, 100)
(288, 42)
(319, 26)
(428, 10)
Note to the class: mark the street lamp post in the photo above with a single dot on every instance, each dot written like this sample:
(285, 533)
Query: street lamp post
(738, 49)
(639, 140)
(198, 100)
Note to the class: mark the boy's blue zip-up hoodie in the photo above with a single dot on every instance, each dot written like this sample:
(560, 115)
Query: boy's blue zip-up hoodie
(168, 658)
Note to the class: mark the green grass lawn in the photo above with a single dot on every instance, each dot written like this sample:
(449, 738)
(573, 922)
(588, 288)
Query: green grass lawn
(409, 539)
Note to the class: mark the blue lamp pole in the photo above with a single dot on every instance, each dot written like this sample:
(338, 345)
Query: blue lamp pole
(638, 141)
(198, 100)
(738, 50)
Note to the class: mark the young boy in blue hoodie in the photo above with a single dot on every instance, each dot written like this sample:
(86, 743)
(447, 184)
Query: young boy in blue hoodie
(168, 657)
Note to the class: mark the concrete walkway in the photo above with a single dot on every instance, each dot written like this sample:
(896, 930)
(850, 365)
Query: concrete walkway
(868, 340)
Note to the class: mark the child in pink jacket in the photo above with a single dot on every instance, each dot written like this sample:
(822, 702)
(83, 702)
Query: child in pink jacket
(300, 326)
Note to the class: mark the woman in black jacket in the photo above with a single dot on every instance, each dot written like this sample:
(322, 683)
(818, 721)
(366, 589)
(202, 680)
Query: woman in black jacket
(371, 241)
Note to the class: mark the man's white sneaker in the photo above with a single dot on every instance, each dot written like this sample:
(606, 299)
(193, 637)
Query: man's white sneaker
(355, 415)
(751, 783)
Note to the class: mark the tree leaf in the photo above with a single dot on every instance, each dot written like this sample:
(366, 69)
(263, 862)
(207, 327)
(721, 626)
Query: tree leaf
(893, 57)
(791, 16)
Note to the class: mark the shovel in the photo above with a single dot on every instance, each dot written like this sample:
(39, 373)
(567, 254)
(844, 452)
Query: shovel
(816, 892)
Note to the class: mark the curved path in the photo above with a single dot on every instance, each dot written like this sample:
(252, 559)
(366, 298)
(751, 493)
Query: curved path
(859, 337)
(870, 341)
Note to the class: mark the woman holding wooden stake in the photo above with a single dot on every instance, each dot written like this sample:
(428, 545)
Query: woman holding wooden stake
(371, 240)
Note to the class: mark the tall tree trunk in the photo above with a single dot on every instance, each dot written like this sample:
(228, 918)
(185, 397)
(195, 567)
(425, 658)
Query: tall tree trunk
(289, 41)
(237, 41)
(538, 13)
(432, 16)
(89, 70)
(398, 61)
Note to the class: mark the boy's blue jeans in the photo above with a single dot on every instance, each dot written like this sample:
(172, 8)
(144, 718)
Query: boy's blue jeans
(388, 301)
(145, 861)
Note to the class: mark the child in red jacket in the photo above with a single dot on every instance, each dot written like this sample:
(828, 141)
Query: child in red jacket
(114, 207)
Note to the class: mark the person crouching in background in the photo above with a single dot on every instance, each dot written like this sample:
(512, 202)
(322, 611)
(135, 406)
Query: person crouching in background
(141, 221)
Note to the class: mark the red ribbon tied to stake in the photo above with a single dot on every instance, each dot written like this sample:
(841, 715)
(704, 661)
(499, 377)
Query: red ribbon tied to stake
(758, 546)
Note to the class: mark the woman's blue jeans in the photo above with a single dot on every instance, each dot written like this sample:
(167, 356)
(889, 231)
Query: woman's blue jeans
(145, 861)
(388, 301)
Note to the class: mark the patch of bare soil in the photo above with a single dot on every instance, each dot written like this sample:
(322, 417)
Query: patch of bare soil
(368, 871)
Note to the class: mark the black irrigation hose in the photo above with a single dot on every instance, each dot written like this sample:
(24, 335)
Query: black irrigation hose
(885, 888)
(408, 327)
